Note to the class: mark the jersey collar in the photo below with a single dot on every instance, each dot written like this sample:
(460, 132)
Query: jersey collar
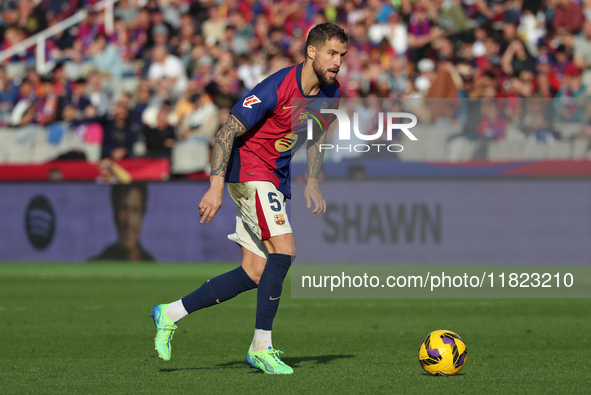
(299, 68)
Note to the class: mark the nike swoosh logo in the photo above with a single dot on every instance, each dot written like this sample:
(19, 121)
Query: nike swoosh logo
(287, 108)
(272, 298)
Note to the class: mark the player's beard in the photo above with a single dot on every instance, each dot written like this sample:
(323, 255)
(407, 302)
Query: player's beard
(322, 75)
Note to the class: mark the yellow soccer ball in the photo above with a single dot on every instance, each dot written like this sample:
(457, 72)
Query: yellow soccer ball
(442, 353)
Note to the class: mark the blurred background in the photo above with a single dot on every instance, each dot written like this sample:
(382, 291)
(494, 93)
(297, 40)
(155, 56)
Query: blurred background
(120, 92)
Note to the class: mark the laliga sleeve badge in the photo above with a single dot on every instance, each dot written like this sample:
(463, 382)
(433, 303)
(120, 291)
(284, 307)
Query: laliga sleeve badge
(250, 100)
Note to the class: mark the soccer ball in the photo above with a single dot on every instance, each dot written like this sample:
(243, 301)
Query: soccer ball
(442, 353)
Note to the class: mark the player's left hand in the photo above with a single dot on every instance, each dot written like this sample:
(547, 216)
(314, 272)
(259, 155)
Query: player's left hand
(312, 193)
(211, 202)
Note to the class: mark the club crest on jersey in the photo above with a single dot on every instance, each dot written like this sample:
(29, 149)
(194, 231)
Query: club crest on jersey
(279, 219)
(286, 142)
(250, 100)
(302, 118)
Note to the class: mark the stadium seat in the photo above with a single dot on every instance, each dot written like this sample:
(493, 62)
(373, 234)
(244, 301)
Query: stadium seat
(19, 153)
(461, 149)
(436, 140)
(580, 148)
(6, 141)
(568, 129)
(511, 150)
(494, 151)
(55, 132)
(412, 151)
(535, 150)
(560, 149)
(44, 152)
(92, 152)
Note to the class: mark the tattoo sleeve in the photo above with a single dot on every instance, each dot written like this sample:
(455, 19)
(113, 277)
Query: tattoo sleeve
(315, 155)
(224, 139)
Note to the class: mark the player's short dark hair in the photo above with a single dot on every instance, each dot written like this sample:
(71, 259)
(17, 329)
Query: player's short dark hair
(324, 32)
(119, 191)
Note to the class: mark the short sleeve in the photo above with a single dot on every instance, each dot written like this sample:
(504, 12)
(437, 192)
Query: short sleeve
(255, 105)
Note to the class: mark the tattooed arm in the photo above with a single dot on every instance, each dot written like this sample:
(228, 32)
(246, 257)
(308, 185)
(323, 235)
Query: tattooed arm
(224, 139)
(312, 192)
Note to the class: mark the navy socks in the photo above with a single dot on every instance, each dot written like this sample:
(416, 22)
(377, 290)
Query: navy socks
(270, 287)
(230, 284)
(218, 290)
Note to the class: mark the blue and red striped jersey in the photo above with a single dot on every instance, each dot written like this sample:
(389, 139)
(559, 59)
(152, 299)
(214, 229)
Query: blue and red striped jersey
(276, 127)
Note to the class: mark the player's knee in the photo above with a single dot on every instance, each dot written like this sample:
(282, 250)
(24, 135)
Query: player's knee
(255, 272)
(283, 244)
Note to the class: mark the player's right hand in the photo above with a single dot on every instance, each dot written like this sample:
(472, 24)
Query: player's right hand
(210, 204)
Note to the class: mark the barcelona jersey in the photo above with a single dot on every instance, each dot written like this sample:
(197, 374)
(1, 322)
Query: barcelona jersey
(276, 126)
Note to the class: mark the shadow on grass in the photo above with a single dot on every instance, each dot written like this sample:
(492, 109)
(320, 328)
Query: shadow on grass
(293, 362)
(432, 375)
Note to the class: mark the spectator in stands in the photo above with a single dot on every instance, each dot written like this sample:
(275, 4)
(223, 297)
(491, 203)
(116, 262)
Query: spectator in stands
(568, 15)
(537, 120)
(582, 52)
(121, 39)
(12, 36)
(202, 122)
(88, 30)
(214, 27)
(169, 67)
(449, 16)
(160, 139)
(162, 93)
(32, 17)
(421, 33)
(59, 45)
(105, 57)
(98, 94)
(142, 97)
(161, 37)
(126, 11)
(8, 96)
(118, 137)
(78, 100)
(516, 59)
(571, 97)
(157, 20)
(111, 173)
(561, 61)
(203, 74)
(138, 32)
(493, 124)
(186, 41)
(24, 110)
(47, 106)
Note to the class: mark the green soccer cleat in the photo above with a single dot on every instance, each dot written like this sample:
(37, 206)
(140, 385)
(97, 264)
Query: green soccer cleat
(164, 331)
(269, 361)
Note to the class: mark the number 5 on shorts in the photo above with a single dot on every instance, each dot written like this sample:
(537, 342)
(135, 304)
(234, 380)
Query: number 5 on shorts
(275, 204)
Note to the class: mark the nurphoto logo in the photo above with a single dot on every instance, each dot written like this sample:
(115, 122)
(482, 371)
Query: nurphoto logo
(344, 133)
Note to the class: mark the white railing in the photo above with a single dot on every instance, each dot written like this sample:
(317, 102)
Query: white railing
(39, 39)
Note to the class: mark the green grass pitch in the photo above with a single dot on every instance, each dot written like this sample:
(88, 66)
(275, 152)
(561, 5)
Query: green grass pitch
(85, 329)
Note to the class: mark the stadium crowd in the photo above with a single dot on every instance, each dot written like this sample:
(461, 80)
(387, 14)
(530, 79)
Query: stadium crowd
(164, 80)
